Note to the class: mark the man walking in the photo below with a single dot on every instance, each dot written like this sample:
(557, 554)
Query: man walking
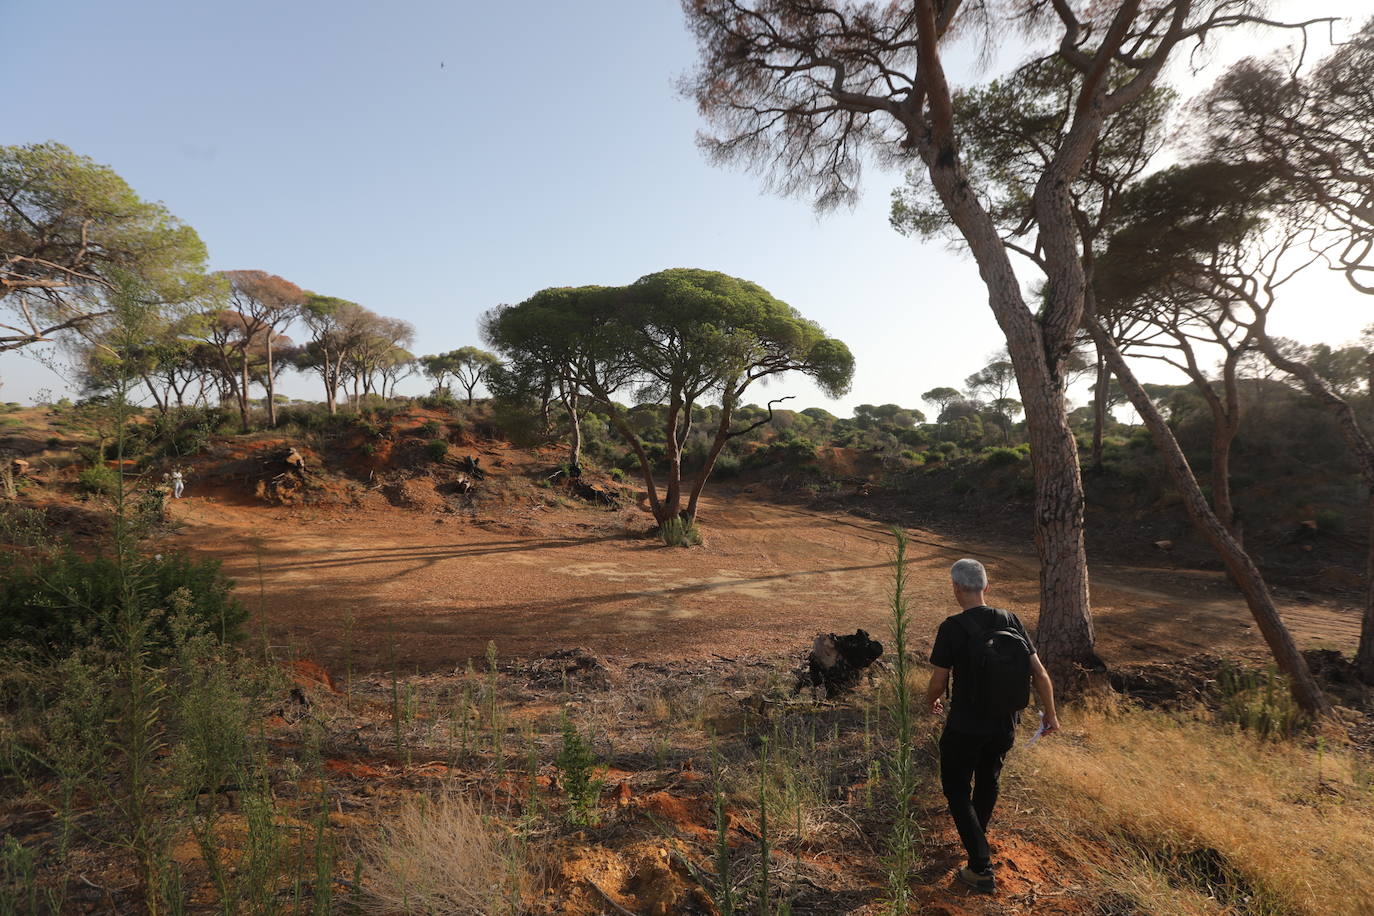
(995, 666)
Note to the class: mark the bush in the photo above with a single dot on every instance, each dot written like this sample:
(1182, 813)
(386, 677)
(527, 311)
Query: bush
(1001, 457)
(100, 480)
(436, 449)
(429, 429)
(1259, 702)
(442, 399)
(678, 532)
(727, 465)
(67, 600)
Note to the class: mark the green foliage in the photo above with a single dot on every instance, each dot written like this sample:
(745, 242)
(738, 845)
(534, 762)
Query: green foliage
(676, 337)
(901, 764)
(727, 465)
(1008, 126)
(429, 429)
(580, 774)
(470, 366)
(19, 888)
(100, 480)
(65, 213)
(1001, 457)
(678, 532)
(1259, 702)
(437, 449)
(64, 601)
(439, 399)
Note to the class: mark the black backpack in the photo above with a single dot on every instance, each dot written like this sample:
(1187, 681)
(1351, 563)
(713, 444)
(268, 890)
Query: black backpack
(1000, 666)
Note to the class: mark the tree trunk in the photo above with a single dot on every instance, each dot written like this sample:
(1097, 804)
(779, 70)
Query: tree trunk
(575, 443)
(152, 389)
(1363, 451)
(1238, 563)
(243, 392)
(1223, 434)
(271, 386)
(646, 468)
(1104, 379)
(1364, 656)
(727, 412)
(331, 382)
(1065, 633)
(672, 497)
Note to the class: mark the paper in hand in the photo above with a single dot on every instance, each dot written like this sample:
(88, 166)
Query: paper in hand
(1038, 732)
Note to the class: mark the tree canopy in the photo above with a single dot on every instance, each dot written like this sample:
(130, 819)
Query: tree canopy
(681, 337)
(69, 228)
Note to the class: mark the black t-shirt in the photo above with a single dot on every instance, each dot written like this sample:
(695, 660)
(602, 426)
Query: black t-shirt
(951, 651)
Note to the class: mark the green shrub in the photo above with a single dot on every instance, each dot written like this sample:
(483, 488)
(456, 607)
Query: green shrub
(67, 600)
(580, 774)
(100, 480)
(727, 465)
(441, 399)
(436, 449)
(1001, 457)
(678, 532)
(1259, 702)
(616, 474)
(429, 429)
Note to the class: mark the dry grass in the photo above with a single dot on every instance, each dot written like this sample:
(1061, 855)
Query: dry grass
(1183, 816)
(443, 855)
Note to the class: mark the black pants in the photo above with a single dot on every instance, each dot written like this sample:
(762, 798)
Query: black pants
(972, 762)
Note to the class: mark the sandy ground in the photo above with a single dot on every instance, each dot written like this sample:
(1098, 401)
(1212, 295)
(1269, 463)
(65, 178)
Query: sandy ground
(425, 591)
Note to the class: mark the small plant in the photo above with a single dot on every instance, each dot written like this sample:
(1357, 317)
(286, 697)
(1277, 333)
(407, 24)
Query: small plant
(444, 855)
(430, 429)
(100, 480)
(494, 718)
(1259, 702)
(580, 774)
(901, 844)
(678, 532)
(436, 449)
(765, 846)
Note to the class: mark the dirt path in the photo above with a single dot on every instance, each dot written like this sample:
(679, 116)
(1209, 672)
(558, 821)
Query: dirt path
(427, 592)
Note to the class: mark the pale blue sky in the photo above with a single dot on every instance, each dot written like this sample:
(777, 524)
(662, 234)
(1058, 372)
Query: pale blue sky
(324, 142)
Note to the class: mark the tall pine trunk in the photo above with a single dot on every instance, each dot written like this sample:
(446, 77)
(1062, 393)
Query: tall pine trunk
(1104, 379)
(1238, 563)
(1064, 635)
(1363, 452)
(271, 386)
(243, 391)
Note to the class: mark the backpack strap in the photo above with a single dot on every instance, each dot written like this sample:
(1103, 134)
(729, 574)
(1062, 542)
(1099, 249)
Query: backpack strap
(1000, 621)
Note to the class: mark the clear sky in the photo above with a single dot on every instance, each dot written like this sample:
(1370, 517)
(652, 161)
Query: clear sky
(433, 159)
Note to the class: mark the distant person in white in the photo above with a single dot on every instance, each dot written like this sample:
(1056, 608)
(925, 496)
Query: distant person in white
(178, 484)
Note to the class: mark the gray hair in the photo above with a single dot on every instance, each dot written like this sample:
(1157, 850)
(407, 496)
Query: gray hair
(969, 575)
